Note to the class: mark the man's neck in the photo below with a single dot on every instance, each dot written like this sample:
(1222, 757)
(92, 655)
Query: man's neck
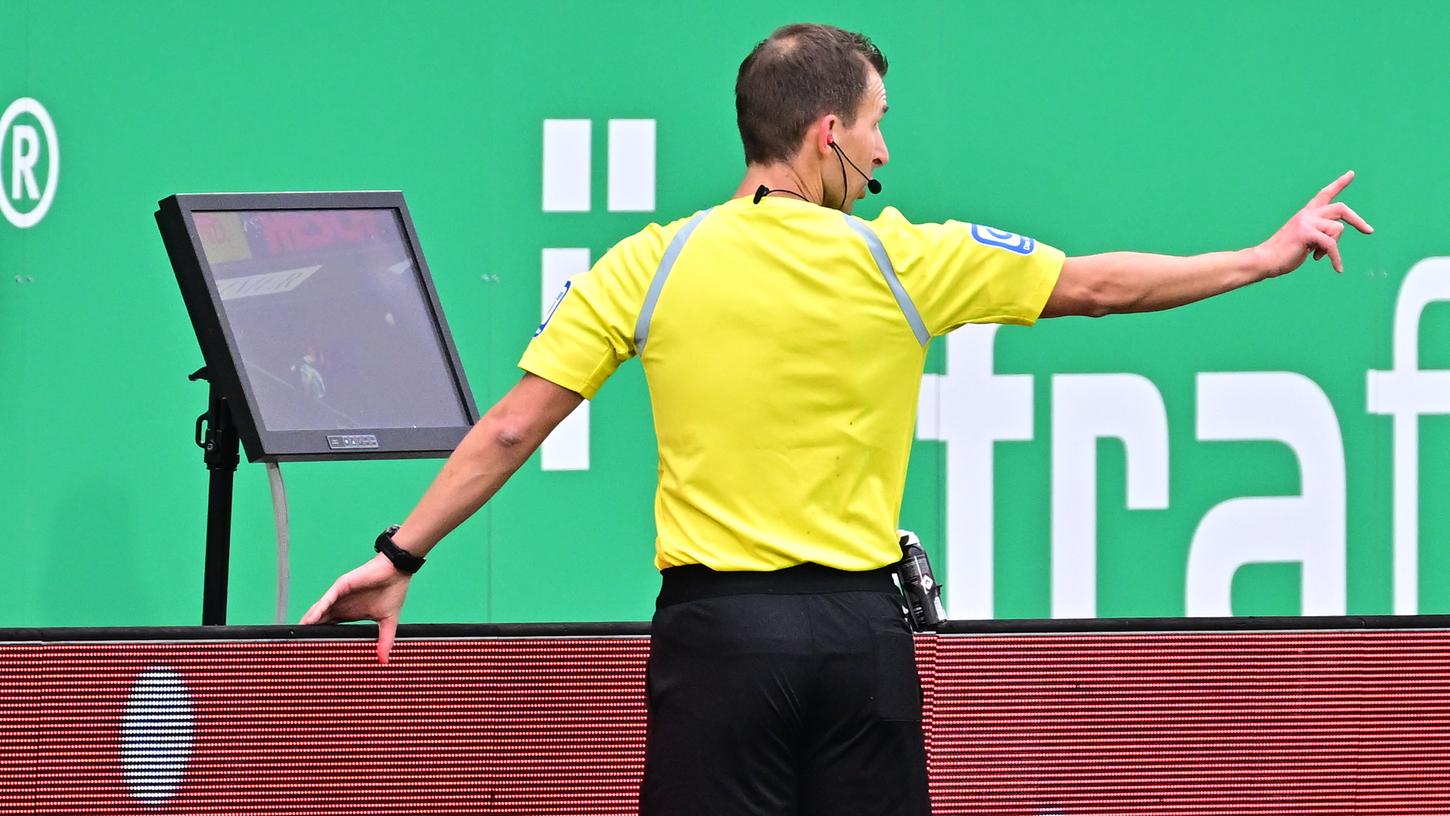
(781, 177)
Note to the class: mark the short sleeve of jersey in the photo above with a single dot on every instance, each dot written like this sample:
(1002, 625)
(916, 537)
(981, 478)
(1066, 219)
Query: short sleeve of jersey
(590, 328)
(958, 273)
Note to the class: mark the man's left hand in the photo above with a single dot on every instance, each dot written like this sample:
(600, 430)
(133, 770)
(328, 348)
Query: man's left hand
(1316, 228)
(373, 591)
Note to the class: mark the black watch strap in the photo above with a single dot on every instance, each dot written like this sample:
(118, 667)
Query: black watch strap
(403, 560)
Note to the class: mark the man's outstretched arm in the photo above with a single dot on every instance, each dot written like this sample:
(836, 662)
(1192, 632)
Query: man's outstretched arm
(1117, 282)
(497, 446)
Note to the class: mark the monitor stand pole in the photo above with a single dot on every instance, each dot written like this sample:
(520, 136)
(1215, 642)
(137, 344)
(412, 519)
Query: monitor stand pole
(217, 435)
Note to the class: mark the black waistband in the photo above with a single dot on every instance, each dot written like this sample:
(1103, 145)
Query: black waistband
(693, 582)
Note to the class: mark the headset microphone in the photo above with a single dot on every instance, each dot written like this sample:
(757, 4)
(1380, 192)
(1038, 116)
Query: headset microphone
(871, 184)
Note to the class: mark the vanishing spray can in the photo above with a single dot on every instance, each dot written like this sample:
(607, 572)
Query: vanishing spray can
(919, 585)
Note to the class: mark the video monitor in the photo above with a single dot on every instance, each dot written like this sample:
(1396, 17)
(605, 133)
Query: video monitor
(319, 323)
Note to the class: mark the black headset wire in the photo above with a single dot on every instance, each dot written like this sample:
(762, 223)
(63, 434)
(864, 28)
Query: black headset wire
(845, 181)
(762, 191)
(871, 184)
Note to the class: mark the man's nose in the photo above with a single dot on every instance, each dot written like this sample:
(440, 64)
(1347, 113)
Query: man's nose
(882, 155)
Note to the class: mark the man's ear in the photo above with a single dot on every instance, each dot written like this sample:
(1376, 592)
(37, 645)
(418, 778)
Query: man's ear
(825, 132)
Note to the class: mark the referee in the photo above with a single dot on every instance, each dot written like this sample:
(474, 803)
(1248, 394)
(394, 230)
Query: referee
(783, 340)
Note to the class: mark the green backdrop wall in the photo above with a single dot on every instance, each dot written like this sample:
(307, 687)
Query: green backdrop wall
(1234, 456)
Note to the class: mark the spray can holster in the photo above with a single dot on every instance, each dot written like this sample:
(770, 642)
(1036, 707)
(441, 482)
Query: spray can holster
(919, 587)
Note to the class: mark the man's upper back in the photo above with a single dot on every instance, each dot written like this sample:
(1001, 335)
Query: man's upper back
(783, 344)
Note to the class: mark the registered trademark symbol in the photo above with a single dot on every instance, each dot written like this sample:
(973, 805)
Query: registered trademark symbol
(18, 163)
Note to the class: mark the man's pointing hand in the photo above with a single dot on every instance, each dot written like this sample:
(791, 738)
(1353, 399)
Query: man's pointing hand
(1316, 228)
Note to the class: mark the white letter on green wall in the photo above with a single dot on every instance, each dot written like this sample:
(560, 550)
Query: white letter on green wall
(1309, 529)
(1086, 408)
(1405, 393)
(970, 408)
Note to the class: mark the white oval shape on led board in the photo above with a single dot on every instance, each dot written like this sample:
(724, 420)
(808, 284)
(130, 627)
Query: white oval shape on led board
(157, 731)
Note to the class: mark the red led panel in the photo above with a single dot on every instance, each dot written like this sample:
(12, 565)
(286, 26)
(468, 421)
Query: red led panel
(472, 726)
(1303, 722)
(1211, 723)
(20, 698)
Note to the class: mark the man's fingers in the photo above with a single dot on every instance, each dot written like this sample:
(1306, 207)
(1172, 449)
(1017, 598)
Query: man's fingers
(324, 610)
(1343, 211)
(1331, 248)
(1335, 188)
(319, 609)
(387, 630)
(1324, 236)
(1329, 227)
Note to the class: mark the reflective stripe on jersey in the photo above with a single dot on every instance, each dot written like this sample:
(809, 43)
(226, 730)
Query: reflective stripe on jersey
(647, 310)
(883, 263)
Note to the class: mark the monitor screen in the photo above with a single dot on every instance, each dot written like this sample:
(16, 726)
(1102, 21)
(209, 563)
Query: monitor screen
(319, 323)
(330, 319)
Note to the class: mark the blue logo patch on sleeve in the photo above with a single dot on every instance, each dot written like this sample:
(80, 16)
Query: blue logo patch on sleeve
(554, 308)
(1010, 241)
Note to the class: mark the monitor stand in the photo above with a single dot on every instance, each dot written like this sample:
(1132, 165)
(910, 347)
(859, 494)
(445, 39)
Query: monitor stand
(217, 435)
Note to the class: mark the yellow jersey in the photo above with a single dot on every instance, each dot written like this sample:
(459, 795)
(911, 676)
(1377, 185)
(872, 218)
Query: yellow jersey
(783, 344)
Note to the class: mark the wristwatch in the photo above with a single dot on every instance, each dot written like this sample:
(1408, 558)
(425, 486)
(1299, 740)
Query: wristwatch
(403, 560)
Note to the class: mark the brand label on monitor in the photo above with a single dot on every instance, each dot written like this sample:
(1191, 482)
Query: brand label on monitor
(352, 441)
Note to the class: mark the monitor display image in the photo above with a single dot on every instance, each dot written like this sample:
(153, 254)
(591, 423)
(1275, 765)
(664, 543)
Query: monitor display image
(331, 322)
(319, 313)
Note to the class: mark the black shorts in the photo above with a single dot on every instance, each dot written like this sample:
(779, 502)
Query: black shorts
(788, 694)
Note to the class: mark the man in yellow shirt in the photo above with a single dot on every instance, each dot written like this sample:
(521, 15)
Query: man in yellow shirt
(783, 340)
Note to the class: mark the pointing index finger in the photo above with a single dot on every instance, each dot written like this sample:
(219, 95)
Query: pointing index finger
(1333, 189)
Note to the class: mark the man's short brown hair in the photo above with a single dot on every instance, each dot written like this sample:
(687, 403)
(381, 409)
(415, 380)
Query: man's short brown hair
(795, 76)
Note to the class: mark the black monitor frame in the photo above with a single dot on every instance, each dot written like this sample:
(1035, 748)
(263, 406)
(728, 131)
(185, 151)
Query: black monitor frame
(219, 348)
